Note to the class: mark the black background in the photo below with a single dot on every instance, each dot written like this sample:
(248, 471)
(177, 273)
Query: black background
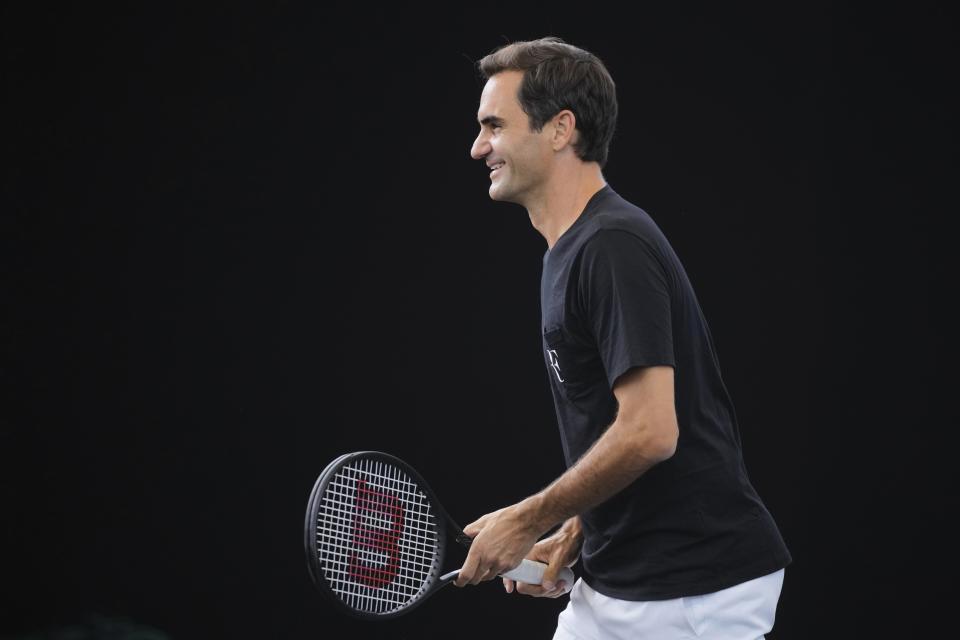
(240, 241)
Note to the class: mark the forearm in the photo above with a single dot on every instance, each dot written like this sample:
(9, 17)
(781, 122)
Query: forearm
(620, 456)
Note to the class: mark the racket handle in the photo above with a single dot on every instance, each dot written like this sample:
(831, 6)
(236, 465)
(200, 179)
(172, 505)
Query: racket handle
(531, 572)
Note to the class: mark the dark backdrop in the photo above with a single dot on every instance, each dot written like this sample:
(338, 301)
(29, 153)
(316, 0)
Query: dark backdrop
(238, 242)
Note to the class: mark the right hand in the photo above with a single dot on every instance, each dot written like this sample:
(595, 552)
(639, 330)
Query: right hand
(557, 551)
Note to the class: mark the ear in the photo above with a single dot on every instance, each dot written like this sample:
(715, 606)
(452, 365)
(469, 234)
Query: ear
(564, 129)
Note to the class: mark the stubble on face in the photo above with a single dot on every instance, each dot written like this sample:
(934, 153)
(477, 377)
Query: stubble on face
(513, 143)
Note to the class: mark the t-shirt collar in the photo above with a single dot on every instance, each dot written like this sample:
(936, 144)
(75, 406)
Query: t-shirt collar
(587, 209)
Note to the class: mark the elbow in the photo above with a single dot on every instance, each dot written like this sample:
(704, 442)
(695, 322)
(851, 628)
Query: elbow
(662, 443)
(664, 449)
(651, 438)
(670, 444)
(653, 442)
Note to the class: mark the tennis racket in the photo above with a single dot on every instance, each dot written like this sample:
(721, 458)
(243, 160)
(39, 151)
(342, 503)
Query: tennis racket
(376, 536)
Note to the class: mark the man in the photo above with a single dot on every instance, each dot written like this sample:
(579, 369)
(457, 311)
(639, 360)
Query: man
(675, 541)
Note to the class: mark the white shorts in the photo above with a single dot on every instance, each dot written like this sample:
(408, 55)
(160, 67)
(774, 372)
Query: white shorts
(742, 612)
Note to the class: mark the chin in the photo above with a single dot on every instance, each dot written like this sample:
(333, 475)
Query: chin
(497, 193)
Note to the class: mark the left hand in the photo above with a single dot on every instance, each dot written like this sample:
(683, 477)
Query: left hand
(501, 540)
(560, 550)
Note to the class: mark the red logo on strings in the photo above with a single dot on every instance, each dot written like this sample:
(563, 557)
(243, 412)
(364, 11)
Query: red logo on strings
(377, 526)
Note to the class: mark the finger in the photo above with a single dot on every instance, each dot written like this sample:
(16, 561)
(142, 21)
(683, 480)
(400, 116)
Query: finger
(508, 585)
(562, 589)
(480, 574)
(468, 570)
(550, 574)
(554, 566)
(475, 527)
(462, 577)
(537, 591)
(540, 552)
(527, 589)
(489, 574)
(556, 592)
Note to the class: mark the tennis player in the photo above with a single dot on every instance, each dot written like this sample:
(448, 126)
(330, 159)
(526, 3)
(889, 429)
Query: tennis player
(674, 540)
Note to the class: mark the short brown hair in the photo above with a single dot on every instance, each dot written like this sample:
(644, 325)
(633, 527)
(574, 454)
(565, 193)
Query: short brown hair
(558, 76)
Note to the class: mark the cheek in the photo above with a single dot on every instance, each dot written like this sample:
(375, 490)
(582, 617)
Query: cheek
(528, 165)
(534, 156)
(523, 159)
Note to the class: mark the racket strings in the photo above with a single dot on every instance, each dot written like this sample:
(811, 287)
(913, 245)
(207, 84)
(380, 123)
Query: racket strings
(376, 537)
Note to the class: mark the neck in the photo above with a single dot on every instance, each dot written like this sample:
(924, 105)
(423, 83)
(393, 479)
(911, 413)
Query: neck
(563, 200)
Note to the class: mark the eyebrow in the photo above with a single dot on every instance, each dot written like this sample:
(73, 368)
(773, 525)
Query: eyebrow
(491, 120)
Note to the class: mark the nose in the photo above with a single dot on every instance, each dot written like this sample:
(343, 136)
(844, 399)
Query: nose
(481, 147)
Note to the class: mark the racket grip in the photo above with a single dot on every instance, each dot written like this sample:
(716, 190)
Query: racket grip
(531, 572)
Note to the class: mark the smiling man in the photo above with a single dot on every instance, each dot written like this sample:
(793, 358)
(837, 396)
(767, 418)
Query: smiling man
(674, 540)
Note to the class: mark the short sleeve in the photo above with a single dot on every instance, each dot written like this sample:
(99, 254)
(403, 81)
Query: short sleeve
(624, 297)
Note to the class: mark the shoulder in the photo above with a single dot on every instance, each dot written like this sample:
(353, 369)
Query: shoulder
(613, 237)
(613, 230)
(617, 254)
(609, 245)
(618, 223)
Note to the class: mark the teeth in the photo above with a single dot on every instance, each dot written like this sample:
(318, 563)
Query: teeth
(497, 166)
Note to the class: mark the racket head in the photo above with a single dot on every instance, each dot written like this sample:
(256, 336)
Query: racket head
(375, 535)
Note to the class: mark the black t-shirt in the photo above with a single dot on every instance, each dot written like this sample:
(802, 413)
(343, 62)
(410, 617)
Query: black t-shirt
(615, 296)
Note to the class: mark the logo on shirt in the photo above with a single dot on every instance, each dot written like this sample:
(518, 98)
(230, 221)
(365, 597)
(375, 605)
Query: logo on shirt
(555, 363)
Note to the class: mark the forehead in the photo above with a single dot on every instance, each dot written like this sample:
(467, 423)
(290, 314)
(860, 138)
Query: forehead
(499, 97)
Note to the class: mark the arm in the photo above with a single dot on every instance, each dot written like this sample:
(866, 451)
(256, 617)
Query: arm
(643, 434)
